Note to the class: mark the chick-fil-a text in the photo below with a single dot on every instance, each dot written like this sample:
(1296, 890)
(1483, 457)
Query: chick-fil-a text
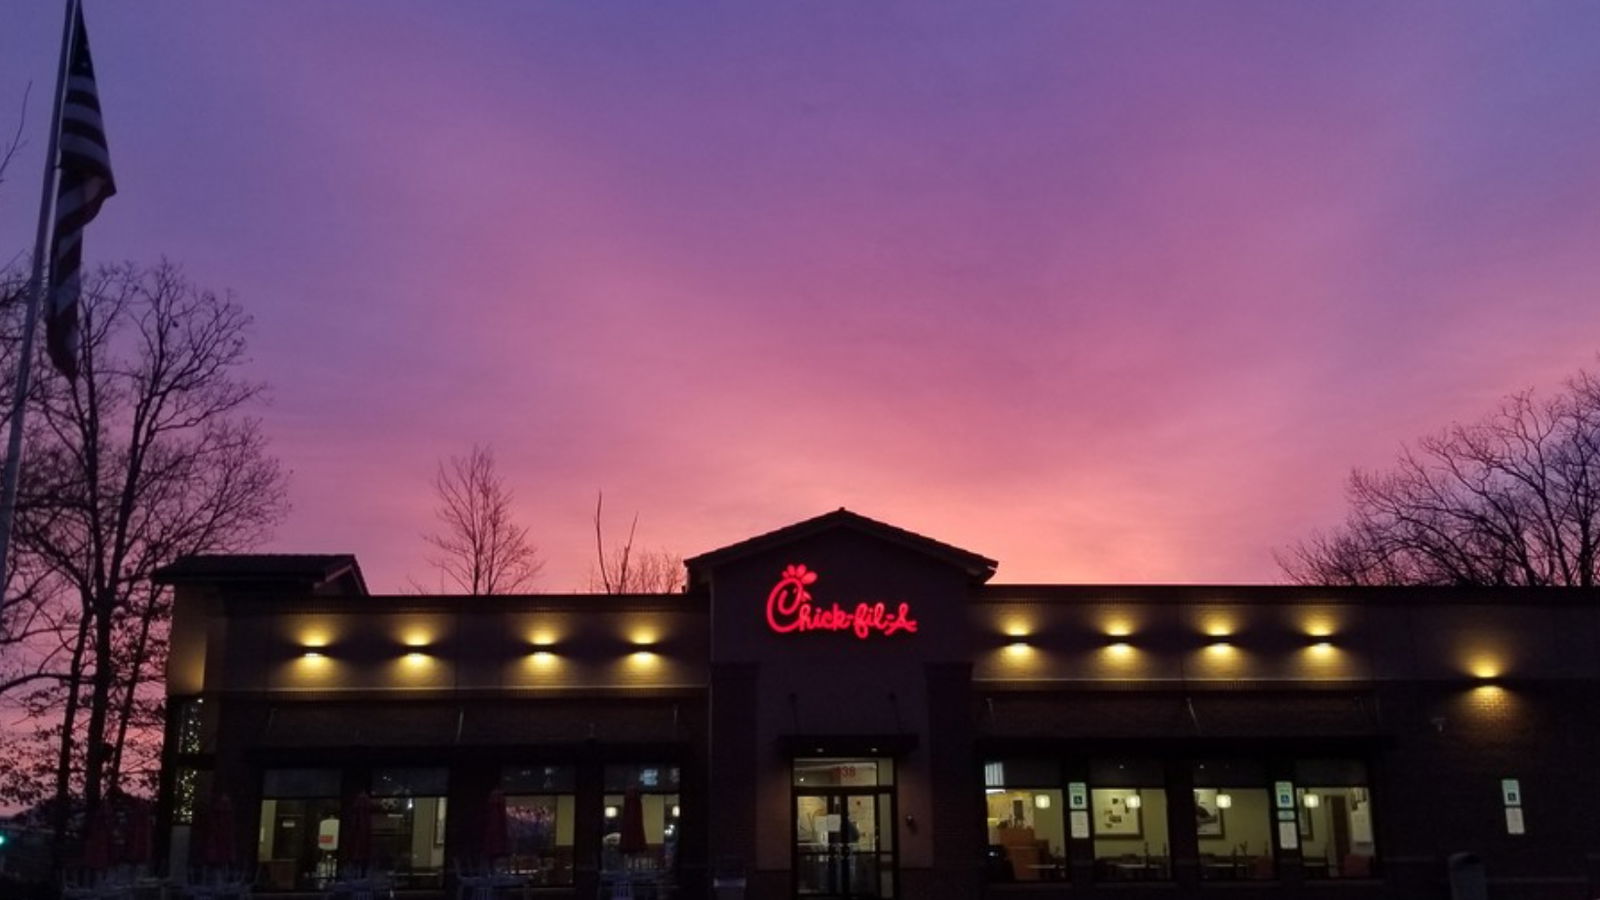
(790, 608)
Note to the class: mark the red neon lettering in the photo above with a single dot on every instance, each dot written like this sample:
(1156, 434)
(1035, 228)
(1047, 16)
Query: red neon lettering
(789, 608)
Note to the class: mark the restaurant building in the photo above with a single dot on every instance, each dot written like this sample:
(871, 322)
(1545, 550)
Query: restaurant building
(842, 708)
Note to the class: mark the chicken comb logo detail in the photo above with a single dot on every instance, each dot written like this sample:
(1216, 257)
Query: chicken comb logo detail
(790, 609)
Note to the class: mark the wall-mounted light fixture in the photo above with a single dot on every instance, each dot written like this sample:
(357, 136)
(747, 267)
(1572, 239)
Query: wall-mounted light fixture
(1224, 801)
(1041, 801)
(1311, 801)
(1134, 801)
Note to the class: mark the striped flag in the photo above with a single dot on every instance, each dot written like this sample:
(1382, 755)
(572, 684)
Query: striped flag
(85, 184)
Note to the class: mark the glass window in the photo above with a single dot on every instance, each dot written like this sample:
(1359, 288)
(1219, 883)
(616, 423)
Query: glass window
(299, 832)
(1128, 817)
(189, 733)
(821, 771)
(640, 831)
(1023, 817)
(1335, 811)
(1233, 821)
(408, 825)
(185, 786)
(645, 778)
(540, 805)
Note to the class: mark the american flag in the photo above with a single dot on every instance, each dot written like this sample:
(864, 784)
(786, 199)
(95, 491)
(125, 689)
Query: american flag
(85, 184)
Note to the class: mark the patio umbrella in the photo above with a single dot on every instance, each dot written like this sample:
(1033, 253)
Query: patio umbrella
(355, 837)
(494, 826)
(631, 839)
(219, 850)
(97, 839)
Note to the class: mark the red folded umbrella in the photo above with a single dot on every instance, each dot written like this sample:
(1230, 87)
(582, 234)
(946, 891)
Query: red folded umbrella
(355, 833)
(494, 826)
(219, 849)
(97, 840)
(631, 839)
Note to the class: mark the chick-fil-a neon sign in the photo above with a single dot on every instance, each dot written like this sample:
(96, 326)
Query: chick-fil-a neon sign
(789, 608)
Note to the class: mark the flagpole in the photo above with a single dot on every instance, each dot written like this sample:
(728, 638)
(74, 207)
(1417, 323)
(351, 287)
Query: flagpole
(19, 402)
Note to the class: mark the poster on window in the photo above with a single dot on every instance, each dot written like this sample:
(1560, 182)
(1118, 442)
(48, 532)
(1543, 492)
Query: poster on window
(1115, 816)
(1207, 814)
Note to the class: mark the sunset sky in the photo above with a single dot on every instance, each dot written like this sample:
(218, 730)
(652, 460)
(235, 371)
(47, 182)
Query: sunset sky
(1107, 291)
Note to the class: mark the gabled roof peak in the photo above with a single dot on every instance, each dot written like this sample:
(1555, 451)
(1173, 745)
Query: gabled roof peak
(980, 568)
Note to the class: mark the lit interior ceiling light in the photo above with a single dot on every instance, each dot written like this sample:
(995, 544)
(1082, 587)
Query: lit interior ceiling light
(1224, 801)
(1312, 801)
(1041, 801)
(611, 812)
(1134, 801)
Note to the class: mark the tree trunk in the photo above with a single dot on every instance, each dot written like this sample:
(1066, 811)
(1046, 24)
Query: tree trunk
(135, 678)
(64, 760)
(99, 707)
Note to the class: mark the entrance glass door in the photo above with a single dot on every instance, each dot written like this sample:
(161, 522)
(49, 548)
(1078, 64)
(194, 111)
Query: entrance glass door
(844, 829)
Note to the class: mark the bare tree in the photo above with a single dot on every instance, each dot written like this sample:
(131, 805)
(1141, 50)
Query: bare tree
(1511, 500)
(148, 456)
(621, 569)
(481, 549)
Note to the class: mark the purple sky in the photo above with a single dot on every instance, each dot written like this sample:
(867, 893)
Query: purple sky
(1111, 292)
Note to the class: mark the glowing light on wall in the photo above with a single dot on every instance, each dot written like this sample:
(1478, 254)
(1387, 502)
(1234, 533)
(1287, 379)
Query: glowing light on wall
(1120, 649)
(543, 638)
(789, 609)
(1312, 801)
(643, 659)
(644, 636)
(1041, 801)
(1485, 666)
(417, 638)
(1219, 625)
(1134, 801)
(1224, 801)
(1319, 625)
(1118, 627)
